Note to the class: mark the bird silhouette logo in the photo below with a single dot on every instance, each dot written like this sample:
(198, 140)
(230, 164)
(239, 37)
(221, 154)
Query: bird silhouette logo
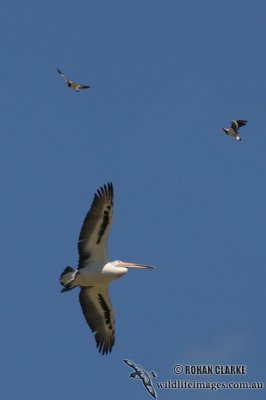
(144, 376)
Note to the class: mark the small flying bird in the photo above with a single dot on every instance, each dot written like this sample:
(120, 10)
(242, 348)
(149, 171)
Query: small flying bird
(95, 272)
(143, 375)
(73, 85)
(233, 131)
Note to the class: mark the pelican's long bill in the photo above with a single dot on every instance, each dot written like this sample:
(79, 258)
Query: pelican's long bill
(133, 265)
(95, 272)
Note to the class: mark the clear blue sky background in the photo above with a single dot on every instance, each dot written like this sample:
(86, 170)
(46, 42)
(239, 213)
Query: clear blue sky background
(164, 76)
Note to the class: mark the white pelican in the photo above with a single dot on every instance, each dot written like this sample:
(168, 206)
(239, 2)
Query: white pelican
(233, 130)
(73, 85)
(95, 272)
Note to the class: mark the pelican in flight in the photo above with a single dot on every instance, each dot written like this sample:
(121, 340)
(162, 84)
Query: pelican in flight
(95, 272)
(233, 130)
(73, 85)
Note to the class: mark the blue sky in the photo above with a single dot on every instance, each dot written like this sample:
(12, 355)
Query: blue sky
(164, 76)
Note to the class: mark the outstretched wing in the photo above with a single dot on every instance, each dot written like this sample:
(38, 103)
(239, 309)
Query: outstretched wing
(98, 312)
(146, 379)
(132, 365)
(236, 124)
(84, 86)
(151, 390)
(241, 122)
(61, 73)
(94, 232)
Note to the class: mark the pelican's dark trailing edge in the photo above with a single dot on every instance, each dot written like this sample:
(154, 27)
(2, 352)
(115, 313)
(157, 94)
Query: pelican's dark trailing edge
(95, 272)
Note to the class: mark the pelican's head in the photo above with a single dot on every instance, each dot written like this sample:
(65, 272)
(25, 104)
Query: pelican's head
(122, 264)
(238, 138)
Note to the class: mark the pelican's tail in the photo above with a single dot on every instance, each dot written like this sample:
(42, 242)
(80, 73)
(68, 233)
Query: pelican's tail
(67, 279)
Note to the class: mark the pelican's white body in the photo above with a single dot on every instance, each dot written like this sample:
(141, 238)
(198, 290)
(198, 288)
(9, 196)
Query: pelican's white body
(95, 273)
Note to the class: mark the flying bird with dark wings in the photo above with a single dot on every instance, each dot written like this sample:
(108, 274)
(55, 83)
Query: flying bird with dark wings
(95, 272)
(233, 130)
(73, 85)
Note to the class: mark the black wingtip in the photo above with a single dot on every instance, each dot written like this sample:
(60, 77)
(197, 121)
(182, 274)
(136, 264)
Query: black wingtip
(110, 189)
(241, 122)
(104, 348)
(106, 190)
